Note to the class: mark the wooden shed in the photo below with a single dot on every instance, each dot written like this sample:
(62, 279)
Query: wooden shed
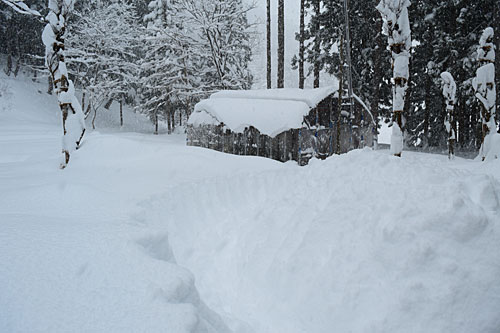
(282, 124)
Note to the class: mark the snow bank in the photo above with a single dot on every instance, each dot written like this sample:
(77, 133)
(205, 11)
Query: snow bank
(363, 242)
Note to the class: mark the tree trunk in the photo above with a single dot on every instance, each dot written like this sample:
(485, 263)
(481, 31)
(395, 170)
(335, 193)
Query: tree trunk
(169, 121)
(496, 20)
(301, 45)
(400, 47)
(121, 112)
(281, 43)
(83, 100)
(54, 59)
(172, 115)
(317, 44)
(377, 78)
(156, 122)
(94, 117)
(269, 59)
(427, 112)
(341, 92)
(50, 87)
(8, 69)
(108, 104)
(18, 66)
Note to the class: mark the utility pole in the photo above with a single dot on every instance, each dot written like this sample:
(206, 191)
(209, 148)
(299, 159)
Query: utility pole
(349, 61)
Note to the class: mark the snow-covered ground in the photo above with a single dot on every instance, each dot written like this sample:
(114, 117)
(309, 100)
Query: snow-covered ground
(141, 233)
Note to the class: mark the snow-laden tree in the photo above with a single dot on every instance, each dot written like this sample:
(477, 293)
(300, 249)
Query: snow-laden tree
(192, 48)
(484, 85)
(221, 27)
(168, 66)
(103, 51)
(20, 27)
(449, 93)
(397, 27)
(53, 39)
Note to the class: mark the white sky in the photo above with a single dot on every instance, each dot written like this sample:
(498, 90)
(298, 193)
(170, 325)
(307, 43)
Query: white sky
(292, 21)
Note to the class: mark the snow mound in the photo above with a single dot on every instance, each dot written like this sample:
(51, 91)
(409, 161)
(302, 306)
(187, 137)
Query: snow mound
(363, 242)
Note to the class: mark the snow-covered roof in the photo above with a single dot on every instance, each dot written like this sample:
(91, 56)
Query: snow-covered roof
(271, 111)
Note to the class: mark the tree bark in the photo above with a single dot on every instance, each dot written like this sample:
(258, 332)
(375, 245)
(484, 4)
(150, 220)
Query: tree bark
(301, 44)
(269, 58)
(281, 43)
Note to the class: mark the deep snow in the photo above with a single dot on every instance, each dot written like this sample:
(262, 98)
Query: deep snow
(140, 232)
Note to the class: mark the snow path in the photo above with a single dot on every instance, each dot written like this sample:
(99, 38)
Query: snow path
(337, 246)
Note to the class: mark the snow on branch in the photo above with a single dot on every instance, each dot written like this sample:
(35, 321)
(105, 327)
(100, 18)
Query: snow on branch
(20, 7)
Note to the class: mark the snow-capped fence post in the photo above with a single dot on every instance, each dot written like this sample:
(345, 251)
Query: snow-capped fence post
(449, 93)
(484, 86)
(53, 39)
(397, 27)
